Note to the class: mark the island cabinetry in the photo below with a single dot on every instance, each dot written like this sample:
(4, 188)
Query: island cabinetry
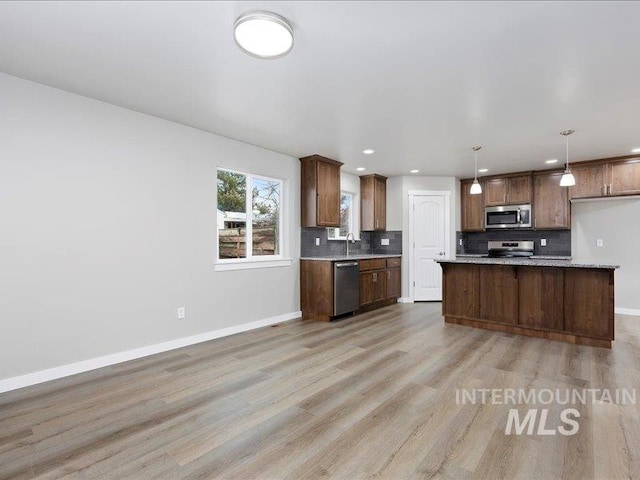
(572, 304)
(472, 208)
(461, 292)
(373, 202)
(499, 294)
(540, 297)
(551, 208)
(320, 192)
(589, 301)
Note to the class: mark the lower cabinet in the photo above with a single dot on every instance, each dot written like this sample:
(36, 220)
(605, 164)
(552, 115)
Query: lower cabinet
(373, 287)
(499, 294)
(380, 281)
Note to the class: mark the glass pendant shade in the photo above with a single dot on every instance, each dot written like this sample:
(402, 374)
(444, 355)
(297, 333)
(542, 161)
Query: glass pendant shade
(476, 188)
(567, 179)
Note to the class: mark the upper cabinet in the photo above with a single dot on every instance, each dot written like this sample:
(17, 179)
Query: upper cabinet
(512, 190)
(373, 202)
(551, 207)
(606, 178)
(472, 208)
(320, 188)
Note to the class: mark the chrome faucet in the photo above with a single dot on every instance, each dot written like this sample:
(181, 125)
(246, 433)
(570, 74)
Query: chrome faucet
(353, 240)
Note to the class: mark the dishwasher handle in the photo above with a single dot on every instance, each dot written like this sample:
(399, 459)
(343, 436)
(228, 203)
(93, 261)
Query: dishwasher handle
(348, 264)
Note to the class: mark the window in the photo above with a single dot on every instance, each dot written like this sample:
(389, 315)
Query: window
(249, 217)
(346, 218)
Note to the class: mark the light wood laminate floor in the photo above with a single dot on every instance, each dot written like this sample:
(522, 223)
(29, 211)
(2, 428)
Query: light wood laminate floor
(371, 396)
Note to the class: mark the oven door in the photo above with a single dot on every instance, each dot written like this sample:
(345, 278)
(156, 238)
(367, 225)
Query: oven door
(502, 217)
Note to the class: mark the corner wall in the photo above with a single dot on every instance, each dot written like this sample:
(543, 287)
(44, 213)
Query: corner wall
(108, 226)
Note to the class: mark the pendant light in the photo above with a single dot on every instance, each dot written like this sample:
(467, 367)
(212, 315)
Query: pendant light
(567, 179)
(476, 188)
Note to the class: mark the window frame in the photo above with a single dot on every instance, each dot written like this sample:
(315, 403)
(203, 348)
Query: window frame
(250, 260)
(352, 219)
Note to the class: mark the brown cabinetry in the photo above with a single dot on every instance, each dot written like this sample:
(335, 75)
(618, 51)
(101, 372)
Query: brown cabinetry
(606, 178)
(624, 177)
(320, 192)
(380, 281)
(394, 278)
(373, 287)
(507, 190)
(550, 202)
(373, 202)
(573, 304)
(499, 294)
(591, 181)
(472, 208)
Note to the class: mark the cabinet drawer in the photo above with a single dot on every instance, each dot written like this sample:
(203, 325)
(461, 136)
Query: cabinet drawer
(373, 264)
(394, 262)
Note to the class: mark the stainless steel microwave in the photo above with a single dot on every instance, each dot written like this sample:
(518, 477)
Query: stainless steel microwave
(508, 216)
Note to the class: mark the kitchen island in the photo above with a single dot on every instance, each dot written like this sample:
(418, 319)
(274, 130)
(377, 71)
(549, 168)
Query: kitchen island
(563, 300)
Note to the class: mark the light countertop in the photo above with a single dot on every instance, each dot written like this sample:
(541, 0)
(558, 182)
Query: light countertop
(529, 262)
(342, 258)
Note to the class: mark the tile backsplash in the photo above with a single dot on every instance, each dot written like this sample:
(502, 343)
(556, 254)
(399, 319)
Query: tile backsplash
(370, 242)
(558, 241)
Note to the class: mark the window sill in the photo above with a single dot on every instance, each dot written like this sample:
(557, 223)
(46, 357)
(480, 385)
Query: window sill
(250, 264)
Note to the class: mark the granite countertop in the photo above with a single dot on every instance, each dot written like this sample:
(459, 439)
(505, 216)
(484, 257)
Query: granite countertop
(537, 257)
(529, 262)
(342, 258)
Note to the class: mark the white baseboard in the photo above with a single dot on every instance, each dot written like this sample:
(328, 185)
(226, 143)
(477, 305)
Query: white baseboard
(404, 300)
(34, 378)
(627, 311)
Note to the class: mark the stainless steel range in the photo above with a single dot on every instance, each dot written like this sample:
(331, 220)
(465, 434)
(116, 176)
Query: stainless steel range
(511, 248)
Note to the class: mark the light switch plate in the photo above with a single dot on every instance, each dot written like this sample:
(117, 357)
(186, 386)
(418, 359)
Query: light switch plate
(600, 242)
(543, 242)
(182, 313)
(384, 241)
(317, 241)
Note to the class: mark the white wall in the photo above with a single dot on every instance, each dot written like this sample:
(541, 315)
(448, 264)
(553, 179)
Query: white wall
(398, 189)
(108, 225)
(617, 222)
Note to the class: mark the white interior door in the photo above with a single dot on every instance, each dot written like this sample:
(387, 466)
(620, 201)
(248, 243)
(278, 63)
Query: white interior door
(430, 242)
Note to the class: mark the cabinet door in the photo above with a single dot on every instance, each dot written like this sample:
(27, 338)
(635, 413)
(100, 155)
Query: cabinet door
(541, 297)
(394, 282)
(519, 190)
(461, 290)
(499, 293)
(589, 306)
(380, 203)
(495, 191)
(373, 287)
(328, 195)
(624, 177)
(550, 202)
(590, 181)
(472, 209)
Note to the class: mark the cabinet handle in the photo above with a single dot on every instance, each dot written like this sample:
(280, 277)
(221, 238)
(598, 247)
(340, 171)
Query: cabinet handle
(389, 274)
(610, 189)
(375, 277)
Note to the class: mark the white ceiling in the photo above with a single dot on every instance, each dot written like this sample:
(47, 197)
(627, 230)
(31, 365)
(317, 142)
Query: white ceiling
(419, 82)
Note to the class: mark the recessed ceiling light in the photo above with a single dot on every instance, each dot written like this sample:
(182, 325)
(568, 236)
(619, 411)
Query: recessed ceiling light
(635, 150)
(415, 171)
(368, 151)
(263, 34)
(483, 170)
(553, 160)
(360, 169)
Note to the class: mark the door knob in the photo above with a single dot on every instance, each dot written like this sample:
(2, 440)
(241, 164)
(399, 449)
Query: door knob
(441, 253)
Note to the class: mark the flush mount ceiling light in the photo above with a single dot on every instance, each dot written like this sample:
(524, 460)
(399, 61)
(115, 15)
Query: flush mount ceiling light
(368, 151)
(360, 169)
(415, 170)
(567, 179)
(553, 160)
(635, 150)
(483, 170)
(476, 188)
(263, 34)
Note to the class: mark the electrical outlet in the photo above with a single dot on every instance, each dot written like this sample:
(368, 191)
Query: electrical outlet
(543, 242)
(384, 241)
(182, 313)
(461, 242)
(599, 242)
(317, 241)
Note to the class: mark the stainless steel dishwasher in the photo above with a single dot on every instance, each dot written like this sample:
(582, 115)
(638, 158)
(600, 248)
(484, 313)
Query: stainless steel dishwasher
(346, 287)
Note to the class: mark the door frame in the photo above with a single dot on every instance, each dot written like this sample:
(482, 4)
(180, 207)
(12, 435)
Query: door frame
(447, 230)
